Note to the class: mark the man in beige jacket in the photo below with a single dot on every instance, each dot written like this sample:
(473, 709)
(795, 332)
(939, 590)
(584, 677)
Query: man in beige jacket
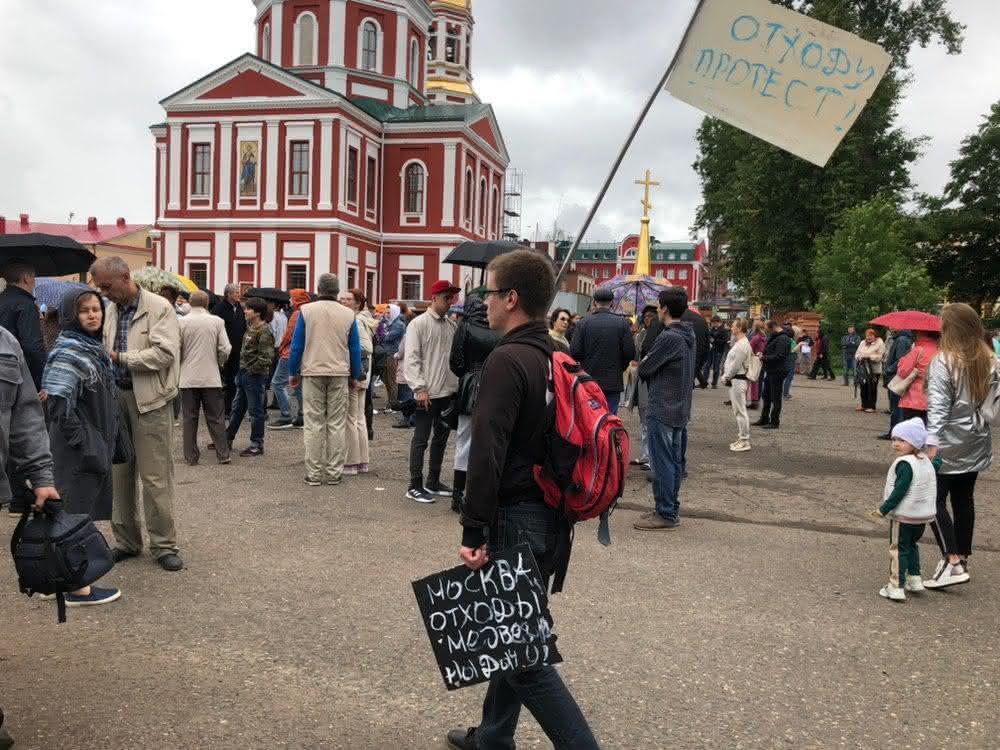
(326, 358)
(143, 338)
(205, 348)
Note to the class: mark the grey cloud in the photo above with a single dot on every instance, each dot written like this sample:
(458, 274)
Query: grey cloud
(567, 78)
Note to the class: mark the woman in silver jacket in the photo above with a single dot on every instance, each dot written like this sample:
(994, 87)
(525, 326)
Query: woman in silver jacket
(960, 376)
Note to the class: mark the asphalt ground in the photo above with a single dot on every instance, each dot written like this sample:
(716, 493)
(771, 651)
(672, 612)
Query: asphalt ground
(294, 624)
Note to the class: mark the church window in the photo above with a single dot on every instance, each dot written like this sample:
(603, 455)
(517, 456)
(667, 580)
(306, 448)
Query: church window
(371, 183)
(305, 39)
(496, 209)
(296, 276)
(414, 63)
(482, 205)
(671, 273)
(411, 286)
(469, 209)
(414, 196)
(299, 173)
(201, 168)
(684, 274)
(432, 42)
(369, 46)
(352, 175)
(265, 47)
(451, 48)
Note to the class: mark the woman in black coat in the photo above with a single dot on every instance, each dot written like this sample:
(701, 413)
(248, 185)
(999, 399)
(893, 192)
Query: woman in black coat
(82, 415)
(473, 342)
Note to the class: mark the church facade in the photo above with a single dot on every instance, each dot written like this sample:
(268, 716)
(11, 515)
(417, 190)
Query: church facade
(351, 141)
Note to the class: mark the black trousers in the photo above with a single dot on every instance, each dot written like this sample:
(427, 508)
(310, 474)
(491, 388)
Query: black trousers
(822, 363)
(770, 411)
(229, 383)
(426, 421)
(869, 394)
(911, 413)
(954, 537)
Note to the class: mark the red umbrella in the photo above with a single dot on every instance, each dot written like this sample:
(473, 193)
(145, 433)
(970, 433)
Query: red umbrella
(909, 320)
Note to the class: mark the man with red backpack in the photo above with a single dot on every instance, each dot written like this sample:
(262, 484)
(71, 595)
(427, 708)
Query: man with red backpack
(505, 505)
(668, 369)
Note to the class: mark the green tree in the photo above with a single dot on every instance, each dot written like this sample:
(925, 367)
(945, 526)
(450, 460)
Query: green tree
(963, 225)
(866, 267)
(773, 206)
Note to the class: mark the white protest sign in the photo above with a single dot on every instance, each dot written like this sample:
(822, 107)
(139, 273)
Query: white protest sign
(789, 79)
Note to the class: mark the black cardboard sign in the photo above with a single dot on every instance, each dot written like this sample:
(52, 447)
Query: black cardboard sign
(491, 621)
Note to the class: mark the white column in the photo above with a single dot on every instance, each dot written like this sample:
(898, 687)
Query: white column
(342, 262)
(161, 160)
(222, 264)
(175, 167)
(277, 13)
(445, 270)
(448, 209)
(441, 36)
(338, 31)
(171, 251)
(271, 196)
(268, 257)
(322, 258)
(325, 163)
(402, 32)
(225, 147)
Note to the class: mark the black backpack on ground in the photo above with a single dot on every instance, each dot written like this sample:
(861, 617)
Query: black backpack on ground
(55, 552)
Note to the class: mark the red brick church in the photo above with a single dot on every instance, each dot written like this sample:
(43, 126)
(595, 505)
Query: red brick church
(352, 141)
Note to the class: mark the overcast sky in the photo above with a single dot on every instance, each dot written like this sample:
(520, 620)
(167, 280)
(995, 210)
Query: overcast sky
(80, 82)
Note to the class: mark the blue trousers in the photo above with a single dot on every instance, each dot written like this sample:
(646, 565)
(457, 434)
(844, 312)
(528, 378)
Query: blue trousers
(279, 384)
(249, 395)
(667, 461)
(613, 400)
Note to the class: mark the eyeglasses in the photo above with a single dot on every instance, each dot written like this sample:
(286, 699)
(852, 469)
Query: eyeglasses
(487, 292)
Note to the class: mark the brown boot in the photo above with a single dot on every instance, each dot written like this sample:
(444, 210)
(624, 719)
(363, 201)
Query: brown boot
(655, 522)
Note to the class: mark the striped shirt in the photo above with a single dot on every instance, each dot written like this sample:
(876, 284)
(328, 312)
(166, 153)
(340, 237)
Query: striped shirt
(125, 314)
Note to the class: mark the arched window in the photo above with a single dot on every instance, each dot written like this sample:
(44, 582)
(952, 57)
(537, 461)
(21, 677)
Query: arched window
(369, 46)
(482, 204)
(496, 209)
(265, 44)
(305, 39)
(413, 201)
(415, 64)
(469, 207)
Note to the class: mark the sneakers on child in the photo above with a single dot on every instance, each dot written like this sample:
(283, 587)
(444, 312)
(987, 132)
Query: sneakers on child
(947, 575)
(914, 584)
(893, 593)
(740, 446)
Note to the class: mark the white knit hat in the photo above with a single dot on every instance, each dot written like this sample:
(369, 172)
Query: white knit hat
(912, 431)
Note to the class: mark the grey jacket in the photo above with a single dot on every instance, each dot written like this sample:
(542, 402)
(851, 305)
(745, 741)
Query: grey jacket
(963, 439)
(24, 441)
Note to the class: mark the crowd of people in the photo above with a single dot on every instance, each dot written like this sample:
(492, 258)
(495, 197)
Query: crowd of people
(90, 412)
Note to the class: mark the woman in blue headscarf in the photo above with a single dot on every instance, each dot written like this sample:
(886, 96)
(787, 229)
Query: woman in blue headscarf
(82, 415)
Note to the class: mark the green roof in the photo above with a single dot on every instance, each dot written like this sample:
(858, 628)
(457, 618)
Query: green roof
(433, 113)
(660, 252)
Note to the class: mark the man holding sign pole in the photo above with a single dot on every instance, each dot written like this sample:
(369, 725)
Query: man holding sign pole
(504, 505)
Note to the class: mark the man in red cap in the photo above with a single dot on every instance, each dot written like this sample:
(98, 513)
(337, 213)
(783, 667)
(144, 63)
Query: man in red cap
(425, 365)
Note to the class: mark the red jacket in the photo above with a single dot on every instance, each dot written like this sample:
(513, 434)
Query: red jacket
(918, 357)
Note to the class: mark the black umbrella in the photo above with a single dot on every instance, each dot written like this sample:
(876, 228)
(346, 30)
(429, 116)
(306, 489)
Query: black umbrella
(479, 254)
(48, 254)
(269, 294)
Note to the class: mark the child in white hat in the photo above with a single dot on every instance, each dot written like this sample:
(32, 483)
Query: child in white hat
(910, 501)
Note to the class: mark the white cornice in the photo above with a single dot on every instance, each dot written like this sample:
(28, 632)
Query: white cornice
(321, 225)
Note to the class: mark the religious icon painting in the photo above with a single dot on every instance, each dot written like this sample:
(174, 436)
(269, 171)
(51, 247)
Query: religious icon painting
(249, 161)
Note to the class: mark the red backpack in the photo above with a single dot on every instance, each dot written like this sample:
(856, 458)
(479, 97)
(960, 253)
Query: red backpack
(588, 447)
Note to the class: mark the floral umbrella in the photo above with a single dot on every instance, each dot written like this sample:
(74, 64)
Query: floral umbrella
(633, 293)
(153, 279)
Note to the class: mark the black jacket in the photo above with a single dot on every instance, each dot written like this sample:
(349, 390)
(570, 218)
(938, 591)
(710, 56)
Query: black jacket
(20, 316)
(776, 351)
(719, 339)
(901, 346)
(508, 429)
(236, 327)
(474, 339)
(701, 337)
(654, 330)
(82, 440)
(603, 344)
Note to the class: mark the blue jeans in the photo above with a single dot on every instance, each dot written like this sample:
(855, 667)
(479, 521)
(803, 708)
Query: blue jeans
(613, 400)
(895, 413)
(848, 367)
(279, 384)
(249, 395)
(713, 365)
(542, 690)
(666, 459)
(787, 389)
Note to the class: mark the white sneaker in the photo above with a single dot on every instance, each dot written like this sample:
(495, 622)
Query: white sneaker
(740, 446)
(894, 593)
(948, 575)
(350, 471)
(914, 584)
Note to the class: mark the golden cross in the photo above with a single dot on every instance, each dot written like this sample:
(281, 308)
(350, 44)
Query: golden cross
(648, 182)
